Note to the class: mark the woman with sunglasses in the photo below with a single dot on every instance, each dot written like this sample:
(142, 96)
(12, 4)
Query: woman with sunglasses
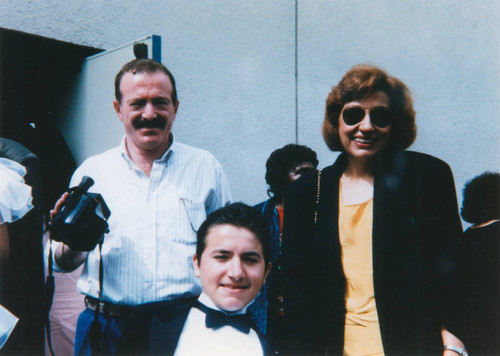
(366, 240)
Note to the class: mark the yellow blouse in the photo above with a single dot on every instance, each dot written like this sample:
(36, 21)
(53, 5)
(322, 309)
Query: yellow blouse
(362, 331)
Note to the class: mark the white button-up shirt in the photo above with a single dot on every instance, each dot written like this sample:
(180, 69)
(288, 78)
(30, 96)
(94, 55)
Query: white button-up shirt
(147, 254)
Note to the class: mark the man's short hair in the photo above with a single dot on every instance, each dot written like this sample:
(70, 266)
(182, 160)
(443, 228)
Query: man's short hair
(148, 66)
(482, 198)
(281, 162)
(238, 215)
(360, 82)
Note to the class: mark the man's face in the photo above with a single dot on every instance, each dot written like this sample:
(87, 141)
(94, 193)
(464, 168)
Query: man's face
(232, 268)
(147, 111)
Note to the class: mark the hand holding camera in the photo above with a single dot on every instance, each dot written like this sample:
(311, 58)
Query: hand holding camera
(79, 218)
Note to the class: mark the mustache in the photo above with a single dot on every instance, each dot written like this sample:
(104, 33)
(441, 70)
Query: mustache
(156, 123)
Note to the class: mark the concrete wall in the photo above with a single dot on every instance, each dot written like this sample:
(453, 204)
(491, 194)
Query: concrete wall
(235, 65)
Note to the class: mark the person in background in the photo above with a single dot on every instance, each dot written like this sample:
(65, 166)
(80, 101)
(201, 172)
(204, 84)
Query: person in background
(159, 191)
(26, 284)
(232, 262)
(15, 202)
(283, 166)
(478, 322)
(366, 240)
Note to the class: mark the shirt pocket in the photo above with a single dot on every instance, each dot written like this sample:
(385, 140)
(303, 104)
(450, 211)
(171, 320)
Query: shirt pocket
(195, 212)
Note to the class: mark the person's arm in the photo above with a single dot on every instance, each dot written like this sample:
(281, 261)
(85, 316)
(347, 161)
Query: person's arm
(4, 243)
(445, 230)
(220, 194)
(452, 345)
(4, 261)
(225, 190)
(67, 259)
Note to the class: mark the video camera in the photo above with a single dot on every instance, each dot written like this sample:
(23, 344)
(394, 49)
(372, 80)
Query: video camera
(81, 222)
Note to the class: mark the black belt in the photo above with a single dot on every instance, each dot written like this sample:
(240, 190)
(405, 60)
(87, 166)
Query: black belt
(108, 309)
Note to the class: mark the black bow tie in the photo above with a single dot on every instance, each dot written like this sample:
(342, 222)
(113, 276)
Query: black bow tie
(216, 319)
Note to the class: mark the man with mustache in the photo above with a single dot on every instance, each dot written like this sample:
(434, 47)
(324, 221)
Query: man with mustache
(159, 191)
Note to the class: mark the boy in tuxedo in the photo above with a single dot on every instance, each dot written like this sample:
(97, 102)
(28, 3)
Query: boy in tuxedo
(232, 263)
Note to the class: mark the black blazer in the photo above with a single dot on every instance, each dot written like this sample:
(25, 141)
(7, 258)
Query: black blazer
(155, 328)
(415, 221)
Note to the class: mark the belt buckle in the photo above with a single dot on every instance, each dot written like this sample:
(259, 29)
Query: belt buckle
(103, 308)
(107, 310)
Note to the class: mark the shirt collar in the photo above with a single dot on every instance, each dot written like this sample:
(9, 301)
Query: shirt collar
(164, 158)
(205, 299)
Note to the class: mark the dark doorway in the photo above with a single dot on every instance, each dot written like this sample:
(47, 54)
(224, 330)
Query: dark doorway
(36, 73)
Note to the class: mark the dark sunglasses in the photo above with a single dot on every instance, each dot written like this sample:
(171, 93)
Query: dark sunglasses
(379, 116)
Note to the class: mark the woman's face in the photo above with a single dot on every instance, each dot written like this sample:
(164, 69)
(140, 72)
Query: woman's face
(365, 126)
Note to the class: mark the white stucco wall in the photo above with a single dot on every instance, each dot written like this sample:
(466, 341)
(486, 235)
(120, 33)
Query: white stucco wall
(234, 62)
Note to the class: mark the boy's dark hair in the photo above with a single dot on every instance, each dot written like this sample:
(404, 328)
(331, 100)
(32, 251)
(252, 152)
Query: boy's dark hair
(281, 162)
(238, 215)
(482, 198)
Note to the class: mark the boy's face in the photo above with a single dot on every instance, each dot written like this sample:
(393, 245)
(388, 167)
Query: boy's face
(232, 268)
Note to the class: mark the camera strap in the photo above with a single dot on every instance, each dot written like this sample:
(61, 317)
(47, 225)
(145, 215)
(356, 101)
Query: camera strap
(48, 297)
(95, 329)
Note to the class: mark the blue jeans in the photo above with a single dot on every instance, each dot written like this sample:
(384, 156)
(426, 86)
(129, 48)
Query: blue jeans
(111, 331)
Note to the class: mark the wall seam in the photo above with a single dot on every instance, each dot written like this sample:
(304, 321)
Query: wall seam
(296, 74)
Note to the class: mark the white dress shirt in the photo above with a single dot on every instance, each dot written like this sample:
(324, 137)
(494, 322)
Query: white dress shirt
(197, 339)
(147, 254)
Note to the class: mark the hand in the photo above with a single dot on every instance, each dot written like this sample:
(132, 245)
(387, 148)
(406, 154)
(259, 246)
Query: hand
(450, 339)
(66, 258)
(58, 205)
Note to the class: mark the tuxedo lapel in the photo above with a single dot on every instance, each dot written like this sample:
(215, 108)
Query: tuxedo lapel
(266, 348)
(166, 330)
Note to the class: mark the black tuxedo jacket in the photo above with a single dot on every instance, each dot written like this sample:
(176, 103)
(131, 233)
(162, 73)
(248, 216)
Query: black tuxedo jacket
(155, 329)
(415, 222)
